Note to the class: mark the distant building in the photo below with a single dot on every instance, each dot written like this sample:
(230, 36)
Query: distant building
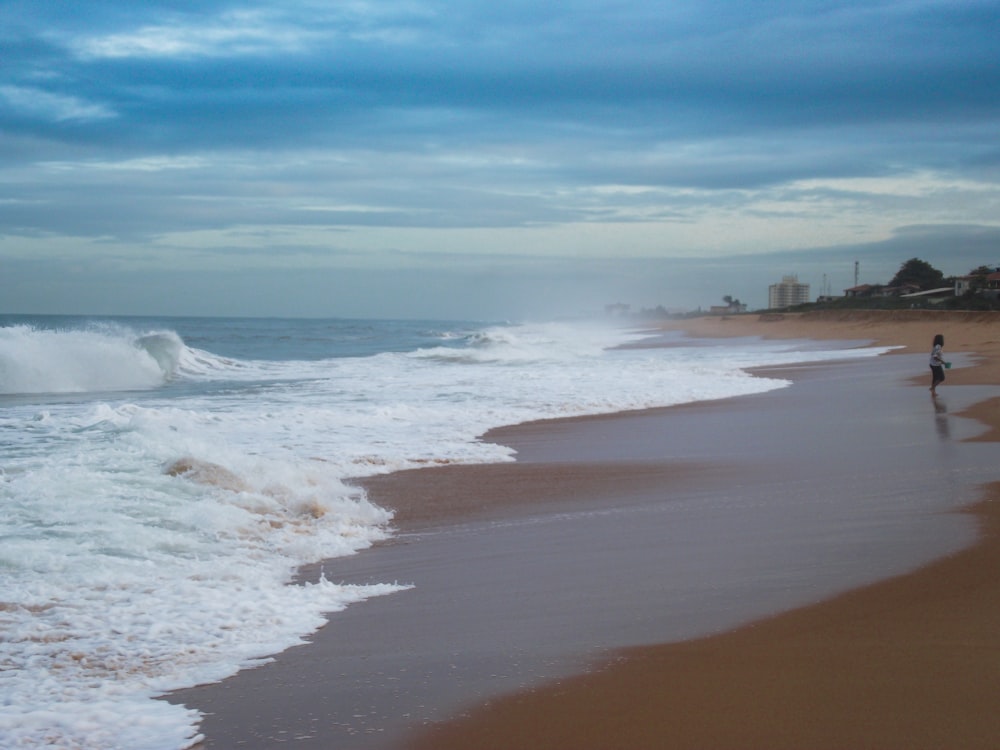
(985, 285)
(862, 290)
(786, 293)
(902, 291)
(931, 296)
(734, 307)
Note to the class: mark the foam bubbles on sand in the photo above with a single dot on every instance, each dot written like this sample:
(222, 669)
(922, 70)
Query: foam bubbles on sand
(123, 582)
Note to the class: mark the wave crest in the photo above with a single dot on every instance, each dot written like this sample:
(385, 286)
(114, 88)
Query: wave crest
(37, 360)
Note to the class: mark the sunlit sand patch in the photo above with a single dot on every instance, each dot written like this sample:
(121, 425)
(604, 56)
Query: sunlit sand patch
(18, 607)
(279, 504)
(371, 461)
(206, 472)
(378, 461)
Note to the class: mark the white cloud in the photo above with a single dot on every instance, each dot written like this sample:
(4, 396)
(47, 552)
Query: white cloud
(288, 29)
(141, 164)
(237, 33)
(36, 102)
(914, 185)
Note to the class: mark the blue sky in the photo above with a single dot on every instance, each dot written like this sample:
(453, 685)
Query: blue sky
(487, 160)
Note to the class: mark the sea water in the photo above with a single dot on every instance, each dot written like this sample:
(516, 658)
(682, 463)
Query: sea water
(161, 480)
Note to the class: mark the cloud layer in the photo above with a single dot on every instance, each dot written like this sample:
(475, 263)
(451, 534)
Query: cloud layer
(462, 143)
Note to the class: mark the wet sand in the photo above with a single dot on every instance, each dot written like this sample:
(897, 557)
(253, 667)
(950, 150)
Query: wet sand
(910, 662)
(613, 533)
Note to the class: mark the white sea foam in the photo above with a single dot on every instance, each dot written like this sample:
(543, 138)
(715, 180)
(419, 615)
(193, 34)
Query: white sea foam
(47, 361)
(148, 539)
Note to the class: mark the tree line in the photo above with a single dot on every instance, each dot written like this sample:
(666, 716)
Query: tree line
(925, 277)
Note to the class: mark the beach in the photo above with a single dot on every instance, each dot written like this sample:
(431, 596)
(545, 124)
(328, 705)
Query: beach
(840, 593)
(908, 662)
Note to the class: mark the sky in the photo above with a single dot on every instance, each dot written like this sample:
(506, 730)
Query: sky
(485, 160)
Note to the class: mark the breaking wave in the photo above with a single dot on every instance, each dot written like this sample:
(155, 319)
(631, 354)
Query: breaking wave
(92, 360)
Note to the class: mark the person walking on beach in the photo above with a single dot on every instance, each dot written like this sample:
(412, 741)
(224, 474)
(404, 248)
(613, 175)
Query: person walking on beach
(937, 363)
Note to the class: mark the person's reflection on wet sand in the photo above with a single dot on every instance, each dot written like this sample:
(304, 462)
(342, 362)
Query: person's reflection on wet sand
(941, 418)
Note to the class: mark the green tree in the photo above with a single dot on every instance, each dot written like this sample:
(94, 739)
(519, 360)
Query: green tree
(979, 277)
(919, 273)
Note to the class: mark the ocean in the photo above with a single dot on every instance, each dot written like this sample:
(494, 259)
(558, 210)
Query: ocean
(162, 479)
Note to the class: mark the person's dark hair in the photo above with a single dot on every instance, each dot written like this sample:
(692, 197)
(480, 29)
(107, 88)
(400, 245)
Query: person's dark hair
(939, 340)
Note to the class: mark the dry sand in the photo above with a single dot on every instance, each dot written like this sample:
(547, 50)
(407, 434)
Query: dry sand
(976, 333)
(912, 662)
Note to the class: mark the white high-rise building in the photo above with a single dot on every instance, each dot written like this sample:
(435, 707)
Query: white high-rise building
(786, 293)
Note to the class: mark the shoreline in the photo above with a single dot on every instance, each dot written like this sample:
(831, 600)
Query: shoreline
(903, 662)
(557, 484)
